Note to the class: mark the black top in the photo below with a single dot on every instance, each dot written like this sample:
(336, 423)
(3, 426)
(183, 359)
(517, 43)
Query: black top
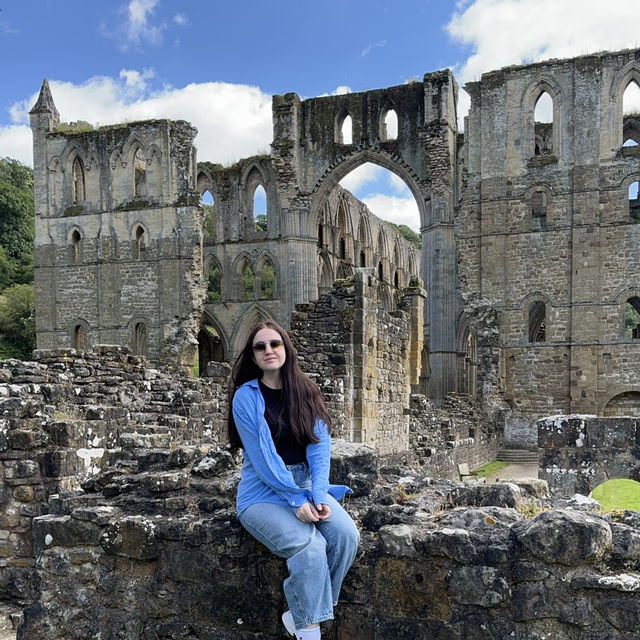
(288, 448)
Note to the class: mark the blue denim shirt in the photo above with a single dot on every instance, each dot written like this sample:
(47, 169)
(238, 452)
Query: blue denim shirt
(265, 478)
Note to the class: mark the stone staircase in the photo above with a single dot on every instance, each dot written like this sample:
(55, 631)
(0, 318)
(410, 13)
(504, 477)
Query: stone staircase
(518, 456)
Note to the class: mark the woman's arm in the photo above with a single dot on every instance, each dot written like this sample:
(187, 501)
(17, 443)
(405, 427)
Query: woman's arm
(259, 448)
(319, 459)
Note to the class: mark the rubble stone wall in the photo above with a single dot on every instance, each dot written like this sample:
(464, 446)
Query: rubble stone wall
(577, 453)
(157, 552)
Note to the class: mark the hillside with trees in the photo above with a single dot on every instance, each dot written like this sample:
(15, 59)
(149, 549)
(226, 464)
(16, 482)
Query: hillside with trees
(17, 302)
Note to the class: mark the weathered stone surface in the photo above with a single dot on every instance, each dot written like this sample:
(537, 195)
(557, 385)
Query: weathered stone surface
(566, 537)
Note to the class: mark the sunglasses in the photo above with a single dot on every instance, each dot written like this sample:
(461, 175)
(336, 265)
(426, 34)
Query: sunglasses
(259, 347)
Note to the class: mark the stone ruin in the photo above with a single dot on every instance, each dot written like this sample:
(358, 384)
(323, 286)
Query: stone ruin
(118, 516)
(119, 519)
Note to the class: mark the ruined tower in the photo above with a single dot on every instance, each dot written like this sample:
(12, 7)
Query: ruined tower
(118, 247)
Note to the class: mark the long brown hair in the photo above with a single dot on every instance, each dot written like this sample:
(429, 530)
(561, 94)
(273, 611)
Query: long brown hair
(302, 397)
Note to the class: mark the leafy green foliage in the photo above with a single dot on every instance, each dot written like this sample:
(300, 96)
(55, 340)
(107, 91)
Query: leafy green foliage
(17, 322)
(267, 281)
(407, 233)
(248, 283)
(260, 222)
(214, 288)
(16, 212)
(209, 221)
(631, 318)
(17, 317)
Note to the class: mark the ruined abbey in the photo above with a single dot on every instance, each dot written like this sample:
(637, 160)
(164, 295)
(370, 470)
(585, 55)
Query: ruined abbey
(529, 263)
(521, 307)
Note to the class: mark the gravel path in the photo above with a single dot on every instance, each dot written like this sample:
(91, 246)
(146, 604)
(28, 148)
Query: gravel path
(515, 472)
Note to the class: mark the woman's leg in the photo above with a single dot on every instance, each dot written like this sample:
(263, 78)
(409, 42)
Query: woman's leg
(342, 538)
(308, 589)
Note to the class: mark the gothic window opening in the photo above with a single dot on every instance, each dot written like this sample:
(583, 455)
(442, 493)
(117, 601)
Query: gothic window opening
(396, 280)
(537, 322)
(75, 246)
(320, 236)
(634, 201)
(260, 208)
(543, 117)
(380, 272)
(248, 282)
(139, 174)
(631, 115)
(342, 249)
(140, 243)
(344, 132)
(214, 284)
(632, 319)
(80, 338)
(140, 339)
(363, 259)
(267, 281)
(389, 125)
(539, 210)
(77, 181)
(209, 220)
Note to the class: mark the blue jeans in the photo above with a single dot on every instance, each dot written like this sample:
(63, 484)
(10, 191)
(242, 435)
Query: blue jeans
(318, 554)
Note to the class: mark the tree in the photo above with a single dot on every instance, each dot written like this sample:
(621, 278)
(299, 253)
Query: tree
(407, 233)
(17, 322)
(16, 222)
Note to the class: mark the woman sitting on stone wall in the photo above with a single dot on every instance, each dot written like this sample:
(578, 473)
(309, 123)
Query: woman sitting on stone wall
(285, 501)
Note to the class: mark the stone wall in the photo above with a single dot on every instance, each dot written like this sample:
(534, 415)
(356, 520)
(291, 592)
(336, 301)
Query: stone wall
(577, 453)
(155, 551)
(62, 418)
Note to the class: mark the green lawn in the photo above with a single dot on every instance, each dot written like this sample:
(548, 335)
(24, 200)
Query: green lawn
(491, 467)
(618, 494)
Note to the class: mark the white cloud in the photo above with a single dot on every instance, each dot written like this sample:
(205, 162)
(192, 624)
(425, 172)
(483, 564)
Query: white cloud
(362, 175)
(397, 210)
(15, 142)
(507, 32)
(181, 20)
(341, 90)
(234, 121)
(371, 47)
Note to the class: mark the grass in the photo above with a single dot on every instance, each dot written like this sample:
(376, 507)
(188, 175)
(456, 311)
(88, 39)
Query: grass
(491, 467)
(620, 493)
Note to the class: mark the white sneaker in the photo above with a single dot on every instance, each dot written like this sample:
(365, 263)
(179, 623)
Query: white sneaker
(289, 625)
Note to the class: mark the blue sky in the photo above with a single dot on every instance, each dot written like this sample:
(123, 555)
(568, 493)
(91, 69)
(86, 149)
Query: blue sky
(217, 64)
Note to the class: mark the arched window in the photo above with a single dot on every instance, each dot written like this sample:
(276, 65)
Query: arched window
(389, 125)
(214, 286)
(77, 181)
(139, 174)
(634, 201)
(543, 116)
(632, 319)
(380, 272)
(363, 259)
(396, 280)
(342, 249)
(344, 133)
(140, 340)
(539, 210)
(209, 220)
(80, 338)
(267, 281)
(248, 280)
(260, 208)
(631, 115)
(75, 247)
(320, 235)
(537, 322)
(140, 243)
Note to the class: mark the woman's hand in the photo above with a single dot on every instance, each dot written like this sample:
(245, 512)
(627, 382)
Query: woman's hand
(307, 513)
(323, 511)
